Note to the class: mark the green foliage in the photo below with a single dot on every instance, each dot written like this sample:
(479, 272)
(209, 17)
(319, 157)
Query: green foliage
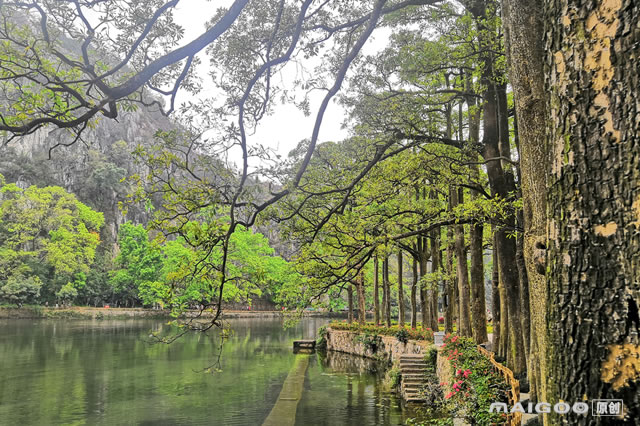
(395, 376)
(46, 233)
(369, 340)
(138, 266)
(475, 384)
(321, 341)
(21, 290)
(394, 330)
(67, 293)
(402, 335)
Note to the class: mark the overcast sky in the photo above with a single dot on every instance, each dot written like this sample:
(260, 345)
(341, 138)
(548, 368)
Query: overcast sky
(283, 130)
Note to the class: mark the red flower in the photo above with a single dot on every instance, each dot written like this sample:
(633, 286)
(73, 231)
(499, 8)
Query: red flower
(449, 395)
(466, 373)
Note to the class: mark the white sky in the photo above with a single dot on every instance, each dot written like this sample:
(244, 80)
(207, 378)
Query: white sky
(287, 126)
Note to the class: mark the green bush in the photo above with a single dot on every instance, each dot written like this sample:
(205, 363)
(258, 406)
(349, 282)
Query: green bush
(371, 341)
(411, 333)
(396, 377)
(321, 341)
(475, 384)
(402, 335)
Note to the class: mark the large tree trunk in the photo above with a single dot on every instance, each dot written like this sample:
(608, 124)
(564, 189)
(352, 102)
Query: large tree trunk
(594, 203)
(523, 24)
(362, 303)
(400, 291)
(422, 264)
(495, 302)
(376, 296)
(502, 183)
(478, 304)
(464, 320)
(501, 188)
(414, 288)
(435, 267)
(350, 302)
(450, 284)
(384, 291)
(387, 286)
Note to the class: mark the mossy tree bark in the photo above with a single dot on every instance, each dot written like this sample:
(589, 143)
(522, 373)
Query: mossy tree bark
(350, 302)
(414, 289)
(593, 267)
(400, 291)
(449, 285)
(383, 307)
(501, 181)
(495, 301)
(376, 296)
(387, 291)
(464, 320)
(523, 23)
(478, 304)
(435, 267)
(362, 303)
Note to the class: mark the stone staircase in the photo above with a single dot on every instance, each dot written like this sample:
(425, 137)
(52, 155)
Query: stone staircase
(412, 369)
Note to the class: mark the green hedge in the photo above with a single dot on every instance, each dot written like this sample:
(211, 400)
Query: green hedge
(401, 333)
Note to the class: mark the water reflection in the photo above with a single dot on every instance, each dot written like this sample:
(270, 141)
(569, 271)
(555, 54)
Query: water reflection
(105, 372)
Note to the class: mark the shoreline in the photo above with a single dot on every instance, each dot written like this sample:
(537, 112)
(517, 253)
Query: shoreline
(80, 312)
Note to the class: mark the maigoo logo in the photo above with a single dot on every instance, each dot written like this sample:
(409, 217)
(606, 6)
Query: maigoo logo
(599, 407)
(540, 408)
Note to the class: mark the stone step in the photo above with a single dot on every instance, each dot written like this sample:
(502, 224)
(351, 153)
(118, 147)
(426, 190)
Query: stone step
(412, 356)
(412, 386)
(415, 376)
(414, 399)
(413, 371)
(404, 362)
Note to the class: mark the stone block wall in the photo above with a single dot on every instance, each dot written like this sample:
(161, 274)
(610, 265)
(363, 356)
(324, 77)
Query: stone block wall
(389, 348)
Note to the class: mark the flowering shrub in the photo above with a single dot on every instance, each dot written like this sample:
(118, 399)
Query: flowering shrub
(394, 330)
(441, 320)
(474, 384)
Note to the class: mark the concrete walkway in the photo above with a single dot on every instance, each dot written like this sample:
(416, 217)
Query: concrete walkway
(284, 412)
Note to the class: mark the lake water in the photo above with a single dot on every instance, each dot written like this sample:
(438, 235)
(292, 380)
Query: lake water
(106, 372)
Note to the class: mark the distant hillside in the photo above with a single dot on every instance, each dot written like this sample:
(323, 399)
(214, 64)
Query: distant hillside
(91, 169)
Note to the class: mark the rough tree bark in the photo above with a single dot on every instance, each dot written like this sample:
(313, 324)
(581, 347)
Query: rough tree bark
(383, 307)
(400, 291)
(414, 288)
(376, 296)
(387, 286)
(478, 305)
(362, 303)
(464, 320)
(495, 301)
(350, 303)
(592, 51)
(523, 24)
(450, 284)
(435, 267)
(501, 183)
(476, 230)
(422, 249)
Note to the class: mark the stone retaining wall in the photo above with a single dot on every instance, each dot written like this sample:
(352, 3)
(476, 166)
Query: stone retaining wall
(389, 348)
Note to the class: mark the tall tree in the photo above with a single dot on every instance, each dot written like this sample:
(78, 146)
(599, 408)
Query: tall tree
(594, 203)
(400, 291)
(523, 23)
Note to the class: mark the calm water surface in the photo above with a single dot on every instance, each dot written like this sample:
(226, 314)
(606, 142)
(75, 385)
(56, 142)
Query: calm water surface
(105, 372)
